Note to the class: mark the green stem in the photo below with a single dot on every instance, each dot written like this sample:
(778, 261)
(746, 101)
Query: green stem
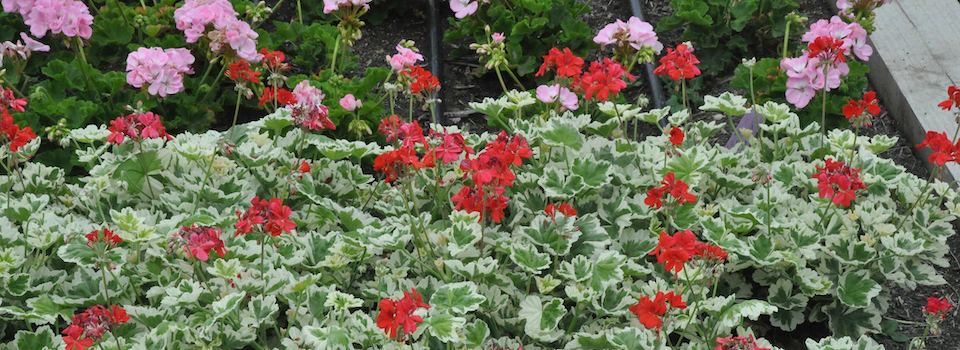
(146, 175)
(515, 80)
(236, 112)
(923, 337)
(203, 186)
(83, 70)
(500, 78)
(823, 113)
(106, 294)
(215, 81)
(263, 257)
(336, 48)
(299, 12)
(14, 88)
(786, 41)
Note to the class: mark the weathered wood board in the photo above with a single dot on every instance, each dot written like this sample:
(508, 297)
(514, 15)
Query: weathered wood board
(916, 58)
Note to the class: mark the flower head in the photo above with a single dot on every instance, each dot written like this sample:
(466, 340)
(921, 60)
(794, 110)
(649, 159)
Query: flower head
(423, 80)
(838, 182)
(738, 343)
(92, 324)
(23, 48)
(399, 314)
(160, 70)
(11, 132)
(649, 311)
(953, 99)
(861, 111)
(944, 150)
(350, 103)
(217, 21)
(307, 108)
(464, 8)
(105, 235)
(563, 208)
(937, 307)
(679, 64)
(566, 64)
(199, 241)
(604, 79)
(137, 126)
(269, 216)
(405, 57)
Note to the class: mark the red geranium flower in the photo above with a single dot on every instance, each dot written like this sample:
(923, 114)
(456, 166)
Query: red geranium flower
(284, 96)
(678, 64)
(137, 126)
(827, 48)
(304, 167)
(862, 110)
(676, 136)
(649, 311)
(563, 208)
(272, 215)
(953, 99)
(838, 182)
(738, 343)
(241, 71)
(108, 236)
(199, 241)
(395, 314)
(422, 80)
(604, 79)
(274, 59)
(8, 99)
(673, 251)
(92, 324)
(937, 307)
(566, 64)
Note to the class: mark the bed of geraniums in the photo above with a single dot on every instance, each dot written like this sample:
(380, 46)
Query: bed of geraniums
(561, 233)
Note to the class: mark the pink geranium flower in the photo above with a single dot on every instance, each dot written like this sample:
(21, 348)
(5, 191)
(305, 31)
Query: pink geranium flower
(217, 20)
(309, 111)
(350, 103)
(68, 17)
(158, 69)
(22, 48)
(405, 57)
(464, 8)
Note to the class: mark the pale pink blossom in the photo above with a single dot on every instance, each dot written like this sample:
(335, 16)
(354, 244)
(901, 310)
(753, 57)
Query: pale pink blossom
(464, 8)
(332, 5)
(552, 93)
(68, 17)
(853, 35)
(405, 57)
(158, 69)
(635, 33)
(350, 103)
(22, 48)
(217, 20)
(498, 38)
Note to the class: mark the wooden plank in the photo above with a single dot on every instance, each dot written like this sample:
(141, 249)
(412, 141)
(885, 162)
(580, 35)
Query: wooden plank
(915, 59)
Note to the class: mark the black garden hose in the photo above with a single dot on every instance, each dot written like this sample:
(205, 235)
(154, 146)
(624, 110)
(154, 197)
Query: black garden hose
(434, 60)
(656, 89)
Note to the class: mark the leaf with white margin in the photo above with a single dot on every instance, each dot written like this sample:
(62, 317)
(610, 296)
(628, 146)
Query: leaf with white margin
(464, 233)
(678, 118)
(787, 320)
(223, 307)
(578, 269)
(595, 173)
(857, 289)
(607, 269)
(225, 268)
(728, 103)
(338, 301)
(812, 282)
(474, 269)
(881, 143)
(476, 333)
(775, 112)
(332, 337)
(560, 134)
(582, 294)
(845, 343)
(542, 318)
(752, 309)
(654, 115)
(460, 297)
(529, 258)
(41, 339)
(185, 293)
(489, 106)
(445, 327)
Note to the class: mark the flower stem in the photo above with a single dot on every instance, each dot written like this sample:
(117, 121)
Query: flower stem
(500, 78)
(823, 113)
(203, 186)
(336, 48)
(515, 80)
(83, 70)
(215, 81)
(146, 176)
(236, 111)
(106, 294)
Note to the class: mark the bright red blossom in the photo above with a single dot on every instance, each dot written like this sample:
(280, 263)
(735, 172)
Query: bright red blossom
(241, 71)
(937, 307)
(395, 314)
(107, 236)
(953, 99)
(838, 182)
(199, 241)
(272, 215)
(566, 64)
(9, 100)
(676, 188)
(827, 48)
(13, 133)
(678, 64)
(491, 173)
(649, 311)
(422, 80)
(304, 167)
(676, 136)
(283, 96)
(273, 60)
(563, 208)
(604, 79)
(862, 109)
(92, 324)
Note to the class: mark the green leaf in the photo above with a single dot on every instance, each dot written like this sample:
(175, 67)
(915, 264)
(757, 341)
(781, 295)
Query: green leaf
(332, 337)
(558, 184)
(529, 258)
(857, 289)
(595, 173)
(445, 327)
(752, 309)
(728, 103)
(460, 297)
(263, 311)
(542, 317)
(78, 253)
(787, 320)
(464, 233)
(607, 269)
(560, 134)
(113, 31)
(223, 307)
(476, 333)
(844, 343)
(578, 269)
(42, 339)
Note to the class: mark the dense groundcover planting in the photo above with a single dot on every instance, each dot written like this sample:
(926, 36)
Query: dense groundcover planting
(336, 220)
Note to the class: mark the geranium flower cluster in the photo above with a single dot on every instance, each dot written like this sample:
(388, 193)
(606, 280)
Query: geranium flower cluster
(738, 343)
(266, 216)
(161, 70)
(240, 73)
(491, 173)
(464, 8)
(395, 314)
(937, 308)
(629, 36)
(9, 131)
(861, 112)
(68, 17)
(944, 151)
(679, 64)
(673, 251)
(199, 241)
(823, 63)
(407, 55)
(307, 108)
(92, 324)
(953, 99)
(839, 182)
(555, 93)
(332, 5)
(564, 208)
(22, 49)
(650, 311)
(105, 235)
(564, 62)
(217, 21)
(137, 127)
(420, 80)
(398, 163)
(604, 79)
(676, 188)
